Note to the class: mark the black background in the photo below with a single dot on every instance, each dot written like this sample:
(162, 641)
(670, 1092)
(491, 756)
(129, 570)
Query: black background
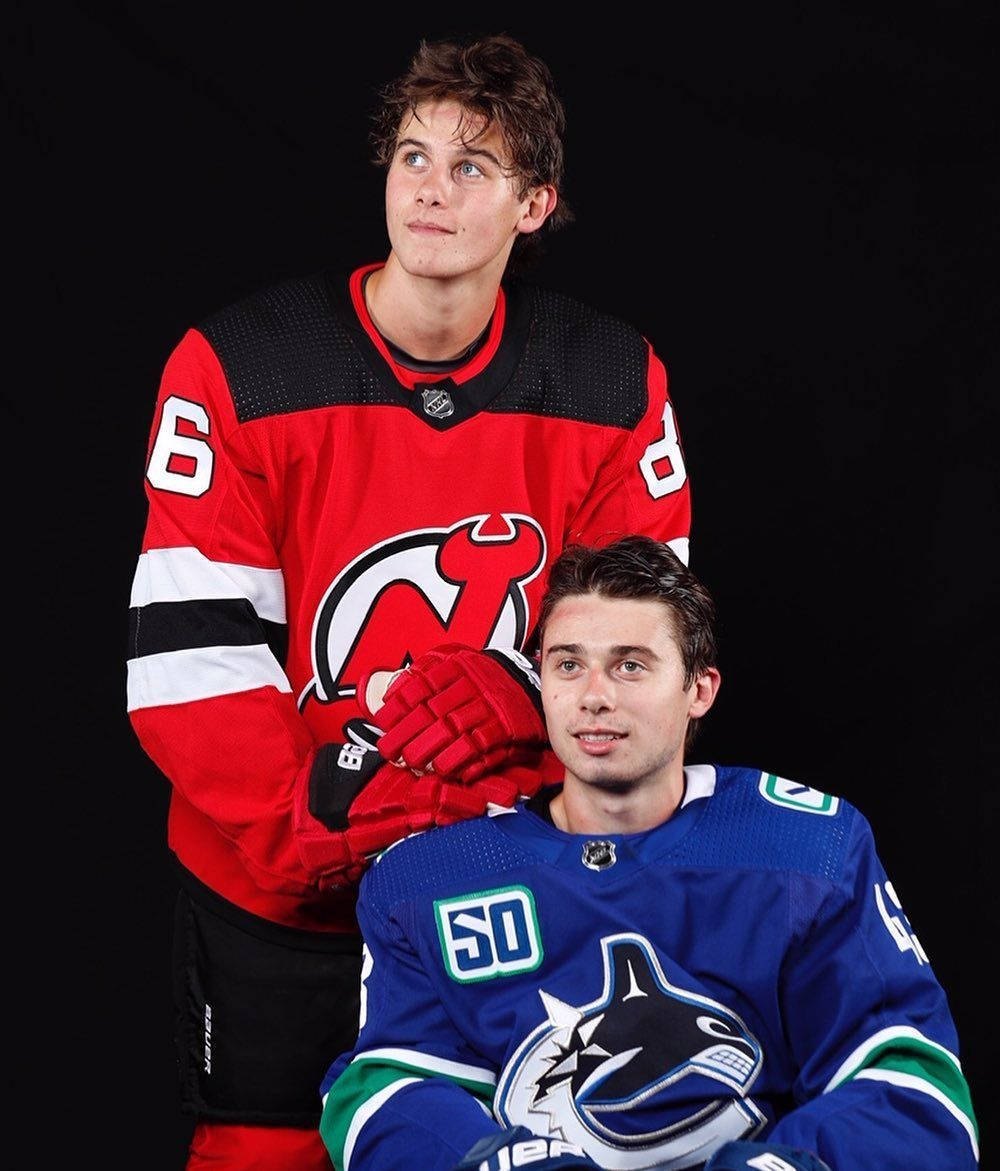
(798, 209)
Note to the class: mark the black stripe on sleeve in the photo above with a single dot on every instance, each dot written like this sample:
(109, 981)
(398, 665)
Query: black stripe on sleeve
(180, 626)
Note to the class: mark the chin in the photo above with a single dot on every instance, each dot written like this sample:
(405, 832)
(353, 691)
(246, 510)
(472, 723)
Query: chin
(432, 267)
(604, 775)
(418, 263)
(440, 264)
(617, 785)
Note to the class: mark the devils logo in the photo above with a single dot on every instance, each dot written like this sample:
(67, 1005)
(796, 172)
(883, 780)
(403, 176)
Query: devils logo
(405, 595)
(647, 1075)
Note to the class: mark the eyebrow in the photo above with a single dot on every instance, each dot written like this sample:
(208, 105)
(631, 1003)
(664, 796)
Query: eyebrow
(616, 652)
(466, 150)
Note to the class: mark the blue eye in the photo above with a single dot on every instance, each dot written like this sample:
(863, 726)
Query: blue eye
(469, 170)
(413, 158)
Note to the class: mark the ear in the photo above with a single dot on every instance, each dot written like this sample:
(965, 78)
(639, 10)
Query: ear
(538, 205)
(704, 689)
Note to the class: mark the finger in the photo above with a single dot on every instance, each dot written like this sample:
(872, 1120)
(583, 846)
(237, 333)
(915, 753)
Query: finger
(378, 683)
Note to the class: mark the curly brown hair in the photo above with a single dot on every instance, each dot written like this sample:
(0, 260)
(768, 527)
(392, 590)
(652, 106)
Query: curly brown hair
(495, 79)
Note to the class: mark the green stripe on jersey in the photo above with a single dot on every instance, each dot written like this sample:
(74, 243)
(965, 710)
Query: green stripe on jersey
(924, 1061)
(426, 1065)
(363, 1080)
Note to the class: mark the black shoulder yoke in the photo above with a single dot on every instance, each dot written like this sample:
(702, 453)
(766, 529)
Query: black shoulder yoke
(298, 346)
(580, 364)
(285, 349)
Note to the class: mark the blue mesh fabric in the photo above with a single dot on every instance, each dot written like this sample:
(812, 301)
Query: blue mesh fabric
(740, 828)
(436, 859)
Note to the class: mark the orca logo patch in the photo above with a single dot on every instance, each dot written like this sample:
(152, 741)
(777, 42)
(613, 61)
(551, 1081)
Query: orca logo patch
(645, 1074)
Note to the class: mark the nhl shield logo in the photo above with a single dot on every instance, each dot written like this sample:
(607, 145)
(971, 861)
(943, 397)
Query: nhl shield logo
(437, 402)
(598, 855)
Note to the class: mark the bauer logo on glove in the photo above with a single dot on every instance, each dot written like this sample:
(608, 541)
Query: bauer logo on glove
(354, 804)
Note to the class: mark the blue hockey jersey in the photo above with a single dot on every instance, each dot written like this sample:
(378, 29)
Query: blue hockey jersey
(743, 970)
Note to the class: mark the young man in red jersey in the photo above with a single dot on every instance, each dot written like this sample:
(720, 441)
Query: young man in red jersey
(354, 474)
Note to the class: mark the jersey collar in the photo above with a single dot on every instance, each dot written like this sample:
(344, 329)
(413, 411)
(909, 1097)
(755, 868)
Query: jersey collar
(407, 377)
(533, 825)
(471, 387)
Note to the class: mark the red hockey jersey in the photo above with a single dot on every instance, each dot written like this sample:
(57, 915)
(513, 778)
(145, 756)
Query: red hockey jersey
(317, 511)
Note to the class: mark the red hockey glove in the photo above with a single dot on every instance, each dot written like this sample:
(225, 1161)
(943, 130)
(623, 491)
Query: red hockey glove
(355, 805)
(462, 713)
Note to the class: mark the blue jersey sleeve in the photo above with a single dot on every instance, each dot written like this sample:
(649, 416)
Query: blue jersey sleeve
(410, 1093)
(879, 1083)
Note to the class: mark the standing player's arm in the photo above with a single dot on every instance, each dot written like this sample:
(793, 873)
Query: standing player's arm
(413, 1092)
(643, 485)
(871, 1034)
(207, 693)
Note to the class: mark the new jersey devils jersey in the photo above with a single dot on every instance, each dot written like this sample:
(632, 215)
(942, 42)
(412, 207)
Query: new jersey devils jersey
(317, 511)
(743, 970)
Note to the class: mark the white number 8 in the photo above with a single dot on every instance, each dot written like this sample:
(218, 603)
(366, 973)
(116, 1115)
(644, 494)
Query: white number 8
(667, 448)
(169, 443)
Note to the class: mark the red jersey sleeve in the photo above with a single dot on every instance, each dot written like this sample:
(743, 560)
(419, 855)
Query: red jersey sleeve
(207, 693)
(643, 485)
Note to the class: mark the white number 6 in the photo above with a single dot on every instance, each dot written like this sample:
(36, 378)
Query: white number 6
(666, 448)
(169, 443)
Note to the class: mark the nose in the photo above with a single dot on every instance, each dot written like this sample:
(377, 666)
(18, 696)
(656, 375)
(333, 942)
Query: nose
(598, 694)
(431, 189)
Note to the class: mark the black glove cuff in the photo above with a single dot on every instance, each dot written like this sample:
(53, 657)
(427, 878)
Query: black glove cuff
(339, 773)
(524, 672)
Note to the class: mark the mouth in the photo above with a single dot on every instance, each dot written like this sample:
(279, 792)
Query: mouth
(422, 227)
(599, 741)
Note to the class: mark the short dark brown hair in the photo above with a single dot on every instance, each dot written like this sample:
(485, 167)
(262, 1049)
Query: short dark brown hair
(639, 567)
(496, 79)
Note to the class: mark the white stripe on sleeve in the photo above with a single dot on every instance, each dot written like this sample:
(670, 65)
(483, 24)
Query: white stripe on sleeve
(185, 574)
(426, 1063)
(911, 1082)
(363, 1113)
(200, 673)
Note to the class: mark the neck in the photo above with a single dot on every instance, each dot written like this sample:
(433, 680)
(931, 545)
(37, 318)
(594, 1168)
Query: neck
(584, 808)
(432, 318)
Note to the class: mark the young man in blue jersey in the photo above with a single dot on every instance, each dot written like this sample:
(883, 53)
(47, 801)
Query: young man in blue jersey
(653, 965)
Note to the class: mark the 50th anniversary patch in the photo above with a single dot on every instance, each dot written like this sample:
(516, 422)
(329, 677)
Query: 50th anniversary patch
(488, 934)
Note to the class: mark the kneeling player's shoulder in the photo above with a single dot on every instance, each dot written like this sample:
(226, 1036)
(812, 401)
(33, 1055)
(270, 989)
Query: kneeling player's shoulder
(433, 860)
(771, 822)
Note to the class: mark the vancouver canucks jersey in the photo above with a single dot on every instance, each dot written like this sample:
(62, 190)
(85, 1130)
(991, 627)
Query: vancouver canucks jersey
(743, 970)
